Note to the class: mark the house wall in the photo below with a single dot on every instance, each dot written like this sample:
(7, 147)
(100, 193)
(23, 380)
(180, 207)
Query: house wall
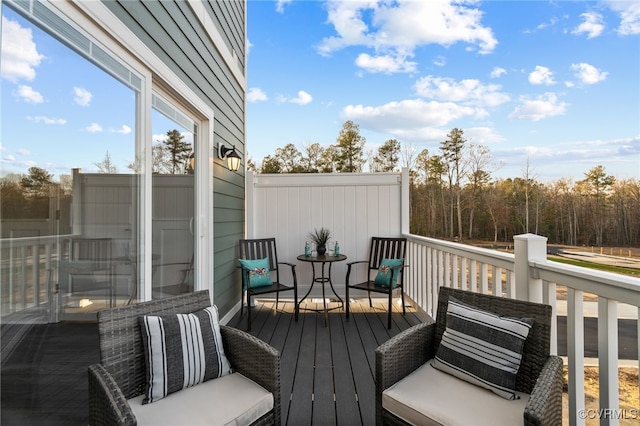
(211, 62)
(353, 206)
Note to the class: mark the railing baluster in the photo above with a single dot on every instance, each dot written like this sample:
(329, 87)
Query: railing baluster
(575, 352)
(608, 357)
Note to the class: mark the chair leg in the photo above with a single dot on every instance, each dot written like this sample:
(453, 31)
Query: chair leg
(277, 299)
(370, 302)
(248, 311)
(390, 307)
(296, 306)
(347, 299)
(404, 310)
(242, 301)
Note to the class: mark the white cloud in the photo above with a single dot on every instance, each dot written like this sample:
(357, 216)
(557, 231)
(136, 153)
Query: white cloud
(497, 72)
(440, 61)
(93, 128)
(256, 95)
(468, 91)
(20, 56)
(588, 74)
(303, 98)
(47, 120)
(124, 130)
(543, 106)
(27, 94)
(541, 75)
(629, 16)
(82, 96)
(387, 64)
(280, 5)
(592, 25)
(406, 116)
(395, 29)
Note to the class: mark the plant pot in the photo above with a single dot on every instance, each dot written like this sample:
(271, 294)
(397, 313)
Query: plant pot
(321, 250)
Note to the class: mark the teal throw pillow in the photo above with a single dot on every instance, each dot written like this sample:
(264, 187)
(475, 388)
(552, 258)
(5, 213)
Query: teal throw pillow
(387, 266)
(258, 272)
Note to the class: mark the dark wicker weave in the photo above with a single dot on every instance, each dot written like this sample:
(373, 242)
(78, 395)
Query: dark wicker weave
(540, 373)
(121, 372)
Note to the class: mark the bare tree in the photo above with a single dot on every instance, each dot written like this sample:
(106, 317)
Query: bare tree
(106, 166)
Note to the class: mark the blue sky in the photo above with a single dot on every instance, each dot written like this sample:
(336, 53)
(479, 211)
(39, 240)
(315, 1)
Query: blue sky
(554, 83)
(557, 83)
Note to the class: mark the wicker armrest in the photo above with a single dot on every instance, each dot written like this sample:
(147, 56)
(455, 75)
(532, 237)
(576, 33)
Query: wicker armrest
(107, 403)
(400, 356)
(403, 353)
(255, 359)
(545, 404)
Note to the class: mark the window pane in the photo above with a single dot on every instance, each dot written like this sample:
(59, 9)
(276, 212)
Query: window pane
(173, 202)
(69, 186)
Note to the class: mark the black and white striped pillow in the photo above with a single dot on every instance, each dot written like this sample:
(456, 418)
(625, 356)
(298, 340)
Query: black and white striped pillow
(482, 348)
(181, 350)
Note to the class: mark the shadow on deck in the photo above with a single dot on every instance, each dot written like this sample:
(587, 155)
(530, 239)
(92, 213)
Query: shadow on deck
(327, 372)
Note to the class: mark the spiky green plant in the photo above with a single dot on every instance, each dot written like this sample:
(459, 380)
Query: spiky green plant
(320, 236)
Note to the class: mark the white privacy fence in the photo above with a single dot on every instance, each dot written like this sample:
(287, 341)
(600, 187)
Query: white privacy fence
(353, 206)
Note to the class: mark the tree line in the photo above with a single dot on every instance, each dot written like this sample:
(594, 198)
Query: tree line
(28, 196)
(454, 195)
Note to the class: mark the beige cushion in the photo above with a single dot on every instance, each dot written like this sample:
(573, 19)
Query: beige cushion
(229, 400)
(430, 397)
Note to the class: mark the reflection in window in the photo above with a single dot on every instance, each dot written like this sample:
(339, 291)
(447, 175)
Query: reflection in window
(173, 201)
(68, 146)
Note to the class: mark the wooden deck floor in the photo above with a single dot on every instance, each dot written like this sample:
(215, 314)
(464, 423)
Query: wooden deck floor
(327, 372)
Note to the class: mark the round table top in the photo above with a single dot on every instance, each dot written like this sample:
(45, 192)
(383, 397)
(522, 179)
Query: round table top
(322, 258)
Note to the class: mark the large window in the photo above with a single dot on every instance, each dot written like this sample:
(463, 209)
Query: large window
(97, 210)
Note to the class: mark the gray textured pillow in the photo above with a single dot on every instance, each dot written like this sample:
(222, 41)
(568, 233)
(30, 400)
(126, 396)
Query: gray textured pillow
(181, 350)
(482, 348)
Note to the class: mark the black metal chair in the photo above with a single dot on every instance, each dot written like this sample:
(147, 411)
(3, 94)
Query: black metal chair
(255, 249)
(381, 248)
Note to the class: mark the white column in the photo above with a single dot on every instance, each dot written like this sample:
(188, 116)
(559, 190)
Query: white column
(528, 247)
(405, 208)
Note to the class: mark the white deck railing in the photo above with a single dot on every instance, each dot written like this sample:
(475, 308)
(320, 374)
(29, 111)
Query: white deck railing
(433, 263)
(24, 283)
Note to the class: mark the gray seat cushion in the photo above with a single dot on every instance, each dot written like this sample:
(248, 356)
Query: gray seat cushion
(430, 397)
(228, 400)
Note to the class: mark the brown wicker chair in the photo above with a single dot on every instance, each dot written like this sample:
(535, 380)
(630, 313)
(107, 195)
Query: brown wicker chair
(121, 372)
(540, 373)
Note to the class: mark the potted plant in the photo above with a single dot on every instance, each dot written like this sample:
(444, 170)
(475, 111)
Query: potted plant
(320, 237)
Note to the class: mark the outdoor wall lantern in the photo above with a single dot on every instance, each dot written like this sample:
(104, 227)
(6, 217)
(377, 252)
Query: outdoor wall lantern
(191, 163)
(232, 156)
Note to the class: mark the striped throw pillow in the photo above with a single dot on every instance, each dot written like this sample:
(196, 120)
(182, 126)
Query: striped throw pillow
(482, 348)
(181, 350)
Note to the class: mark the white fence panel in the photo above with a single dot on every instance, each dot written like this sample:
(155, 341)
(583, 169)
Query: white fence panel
(352, 206)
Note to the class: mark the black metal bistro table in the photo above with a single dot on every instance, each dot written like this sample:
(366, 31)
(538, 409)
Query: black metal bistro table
(322, 279)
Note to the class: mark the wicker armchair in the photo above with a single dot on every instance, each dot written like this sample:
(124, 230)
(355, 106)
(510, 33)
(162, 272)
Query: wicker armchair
(540, 373)
(121, 373)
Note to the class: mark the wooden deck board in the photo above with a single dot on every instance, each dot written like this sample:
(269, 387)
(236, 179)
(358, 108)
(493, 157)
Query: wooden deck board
(328, 371)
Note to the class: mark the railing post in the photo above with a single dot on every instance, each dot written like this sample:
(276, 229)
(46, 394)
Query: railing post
(405, 206)
(528, 247)
(250, 205)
